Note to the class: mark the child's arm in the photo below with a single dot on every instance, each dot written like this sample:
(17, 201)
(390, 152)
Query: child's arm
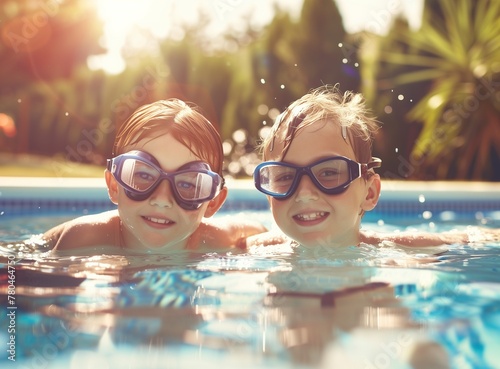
(223, 233)
(419, 239)
(423, 239)
(269, 238)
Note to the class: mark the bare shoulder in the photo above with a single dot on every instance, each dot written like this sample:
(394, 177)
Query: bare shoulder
(86, 231)
(227, 232)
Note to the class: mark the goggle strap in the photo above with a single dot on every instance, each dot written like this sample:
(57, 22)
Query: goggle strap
(364, 169)
(374, 163)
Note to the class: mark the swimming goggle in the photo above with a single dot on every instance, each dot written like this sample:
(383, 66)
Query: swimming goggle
(140, 174)
(331, 175)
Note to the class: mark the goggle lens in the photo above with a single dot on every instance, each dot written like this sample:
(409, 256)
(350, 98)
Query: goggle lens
(332, 173)
(138, 175)
(193, 185)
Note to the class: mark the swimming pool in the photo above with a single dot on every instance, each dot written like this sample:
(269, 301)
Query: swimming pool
(275, 308)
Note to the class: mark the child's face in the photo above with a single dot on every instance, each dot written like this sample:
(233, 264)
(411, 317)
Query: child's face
(309, 216)
(158, 221)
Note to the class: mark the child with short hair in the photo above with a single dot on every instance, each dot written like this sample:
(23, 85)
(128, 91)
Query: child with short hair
(165, 177)
(318, 174)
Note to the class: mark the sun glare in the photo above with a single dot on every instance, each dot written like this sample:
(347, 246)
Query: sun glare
(121, 19)
(125, 20)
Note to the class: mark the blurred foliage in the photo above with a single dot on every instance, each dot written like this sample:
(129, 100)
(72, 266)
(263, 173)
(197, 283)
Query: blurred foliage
(453, 63)
(23, 165)
(39, 39)
(52, 104)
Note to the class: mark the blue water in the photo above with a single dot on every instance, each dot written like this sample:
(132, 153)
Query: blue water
(278, 307)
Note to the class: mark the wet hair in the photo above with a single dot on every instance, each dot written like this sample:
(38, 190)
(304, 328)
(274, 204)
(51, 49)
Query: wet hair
(328, 104)
(183, 121)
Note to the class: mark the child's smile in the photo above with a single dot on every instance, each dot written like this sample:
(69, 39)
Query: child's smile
(158, 222)
(310, 219)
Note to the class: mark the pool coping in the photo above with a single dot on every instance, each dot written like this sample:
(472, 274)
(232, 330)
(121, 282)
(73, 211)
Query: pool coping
(28, 195)
(391, 189)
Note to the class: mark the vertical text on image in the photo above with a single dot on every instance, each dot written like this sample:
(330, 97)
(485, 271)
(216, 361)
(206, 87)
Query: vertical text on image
(11, 308)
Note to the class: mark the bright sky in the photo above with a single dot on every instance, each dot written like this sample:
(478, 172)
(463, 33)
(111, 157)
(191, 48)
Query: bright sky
(160, 18)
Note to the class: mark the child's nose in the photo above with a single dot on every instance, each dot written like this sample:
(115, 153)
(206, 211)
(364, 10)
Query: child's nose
(162, 195)
(306, 190)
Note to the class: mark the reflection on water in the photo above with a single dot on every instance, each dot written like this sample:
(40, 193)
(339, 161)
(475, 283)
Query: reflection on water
(283, 307)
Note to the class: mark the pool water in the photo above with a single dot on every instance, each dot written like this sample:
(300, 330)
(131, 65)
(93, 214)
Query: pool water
(277, 307)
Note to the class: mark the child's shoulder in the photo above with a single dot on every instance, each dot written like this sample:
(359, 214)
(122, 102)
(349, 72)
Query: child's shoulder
(86, 231)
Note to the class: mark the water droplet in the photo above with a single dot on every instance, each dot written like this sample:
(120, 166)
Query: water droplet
(264, 132)
(344, 61)
(341, 44)
(273, 113)
(401, 97)
(427, 215)
(234, 167)
(263, 81)
(396, 149)
(356, 65)
(239, 136)
(262, 109)
(381, 222)
(388, 109)
(227, 147)
(19, 100)
(295, 65)
(447, 215)
(421, 198)
(282, 87)
(66, 114)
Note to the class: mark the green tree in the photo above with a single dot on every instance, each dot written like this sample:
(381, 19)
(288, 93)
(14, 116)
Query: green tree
(275, 61)
(318, 48)
(198, 76)
(457, 50)
(290, 58)
(391, 101)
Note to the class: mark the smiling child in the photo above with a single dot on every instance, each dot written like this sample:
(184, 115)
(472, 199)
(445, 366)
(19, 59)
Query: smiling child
(165, 178)
(318, 174)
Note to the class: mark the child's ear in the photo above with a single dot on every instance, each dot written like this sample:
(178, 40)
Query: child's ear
(112, 186)
(373, 193)
(215, 204)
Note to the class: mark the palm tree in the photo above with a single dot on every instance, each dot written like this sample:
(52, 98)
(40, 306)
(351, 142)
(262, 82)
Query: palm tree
(456, 51)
